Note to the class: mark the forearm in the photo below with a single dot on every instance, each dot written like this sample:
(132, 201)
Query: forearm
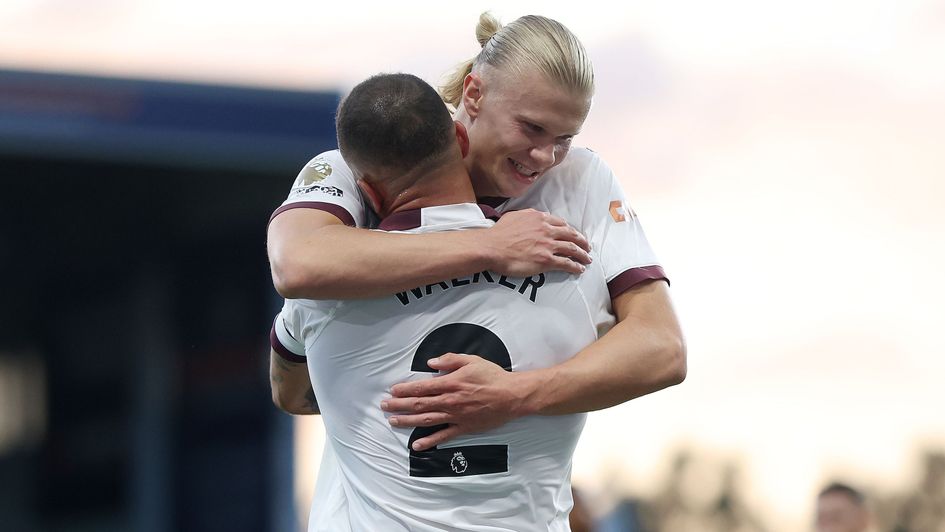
(339, 262)
(644, 353)
(291, 386)
(623, 365)
(314, 256)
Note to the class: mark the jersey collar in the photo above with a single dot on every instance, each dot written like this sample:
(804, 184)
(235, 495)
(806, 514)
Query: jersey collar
(492, 201)
(441, 214)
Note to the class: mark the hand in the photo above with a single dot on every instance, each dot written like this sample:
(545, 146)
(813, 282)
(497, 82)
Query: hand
(529, 242)
(475, 396)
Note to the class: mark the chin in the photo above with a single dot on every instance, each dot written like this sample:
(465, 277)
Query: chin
(516, 186)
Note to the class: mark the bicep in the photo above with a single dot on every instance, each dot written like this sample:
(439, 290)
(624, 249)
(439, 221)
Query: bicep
(646, 317)
(648, 302)
(294, 228)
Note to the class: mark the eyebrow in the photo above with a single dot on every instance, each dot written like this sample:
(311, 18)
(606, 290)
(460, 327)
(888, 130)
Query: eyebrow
(538, 123)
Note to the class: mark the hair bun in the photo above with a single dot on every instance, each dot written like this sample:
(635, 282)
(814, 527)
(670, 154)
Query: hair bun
(487, 27)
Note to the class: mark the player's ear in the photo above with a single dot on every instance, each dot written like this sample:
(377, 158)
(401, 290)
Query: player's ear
(462, 136)
(373, 197)
(472, 94)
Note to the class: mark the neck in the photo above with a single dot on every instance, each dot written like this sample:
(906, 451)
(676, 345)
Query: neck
(481, 187)
(448, 186)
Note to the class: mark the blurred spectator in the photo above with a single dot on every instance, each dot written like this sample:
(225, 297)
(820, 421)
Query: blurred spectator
(841, 508)
(729, 513)
(924, 510)
(669, 511)
(625, 517)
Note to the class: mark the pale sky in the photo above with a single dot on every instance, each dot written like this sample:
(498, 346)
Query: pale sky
(786, 159)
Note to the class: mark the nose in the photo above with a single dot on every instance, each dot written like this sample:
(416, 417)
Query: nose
(544, 155)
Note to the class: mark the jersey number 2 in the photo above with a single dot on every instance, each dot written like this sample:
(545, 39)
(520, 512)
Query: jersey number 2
(469, 459)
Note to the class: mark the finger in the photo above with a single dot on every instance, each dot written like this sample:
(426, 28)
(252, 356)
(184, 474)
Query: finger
(420, 420)
(573, 252)
(556, 221)
(409, 405)
(449, 361)
(566, 265)
(437, 438)
(422, 388)
(570, 234)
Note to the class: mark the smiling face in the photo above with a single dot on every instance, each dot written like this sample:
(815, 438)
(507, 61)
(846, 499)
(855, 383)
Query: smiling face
(519, 127)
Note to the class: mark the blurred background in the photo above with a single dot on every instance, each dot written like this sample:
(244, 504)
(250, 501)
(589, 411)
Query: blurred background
(787, 159)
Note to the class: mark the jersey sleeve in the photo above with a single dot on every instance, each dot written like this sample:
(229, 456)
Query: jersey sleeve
(298, 325)
(286, 334)
(327, 183)
(615, 231)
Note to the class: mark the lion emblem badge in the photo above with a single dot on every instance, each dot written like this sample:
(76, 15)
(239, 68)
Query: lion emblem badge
(458, 463)
(316, 171)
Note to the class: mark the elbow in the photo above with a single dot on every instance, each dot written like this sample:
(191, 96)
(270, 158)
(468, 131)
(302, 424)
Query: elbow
(288, 406)
(280, 401)
(286, 284)
(293, 282)
(285, 403)
(303, 261)
(296, 275)
(676, 364)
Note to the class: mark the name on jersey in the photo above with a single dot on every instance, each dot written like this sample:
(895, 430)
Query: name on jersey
(520, 285)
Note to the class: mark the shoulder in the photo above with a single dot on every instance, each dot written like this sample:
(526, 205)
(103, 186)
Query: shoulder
(325, 165)
(580, 160)
(579, 169)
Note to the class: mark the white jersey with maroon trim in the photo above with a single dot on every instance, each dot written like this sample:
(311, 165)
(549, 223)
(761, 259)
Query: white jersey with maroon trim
(514, 478)
(582, 189)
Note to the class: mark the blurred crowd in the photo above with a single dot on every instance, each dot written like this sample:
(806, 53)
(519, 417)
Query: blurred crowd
(696, 498)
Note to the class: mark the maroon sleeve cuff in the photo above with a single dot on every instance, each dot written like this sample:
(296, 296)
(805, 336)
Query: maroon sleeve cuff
(336, 210)
(281, 349)
(633, 277)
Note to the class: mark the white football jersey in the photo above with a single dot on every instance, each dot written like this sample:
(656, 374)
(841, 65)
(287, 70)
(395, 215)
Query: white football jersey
(582, 189)
(514, 478)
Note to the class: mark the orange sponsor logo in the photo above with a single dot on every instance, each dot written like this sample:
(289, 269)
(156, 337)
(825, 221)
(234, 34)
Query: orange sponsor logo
(618, 212)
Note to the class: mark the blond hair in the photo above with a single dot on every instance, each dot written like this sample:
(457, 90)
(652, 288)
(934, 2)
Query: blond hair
(529, 43)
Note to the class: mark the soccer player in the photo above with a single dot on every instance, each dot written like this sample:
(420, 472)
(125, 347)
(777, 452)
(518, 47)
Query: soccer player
(521, 100)
(407, 155)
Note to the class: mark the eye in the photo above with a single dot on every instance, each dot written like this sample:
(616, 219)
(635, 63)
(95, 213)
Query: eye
(534, 128)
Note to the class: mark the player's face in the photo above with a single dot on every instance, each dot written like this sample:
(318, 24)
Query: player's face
(519, 127)
(837, 513)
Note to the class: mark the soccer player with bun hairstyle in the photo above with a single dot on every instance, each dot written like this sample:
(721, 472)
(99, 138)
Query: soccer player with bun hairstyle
(533, 67)
(530, 42)
(524, 98)
(407, 154)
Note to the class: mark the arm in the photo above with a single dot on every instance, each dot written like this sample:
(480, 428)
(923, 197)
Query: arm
(643, 353)
(313, 255)
(291, 388)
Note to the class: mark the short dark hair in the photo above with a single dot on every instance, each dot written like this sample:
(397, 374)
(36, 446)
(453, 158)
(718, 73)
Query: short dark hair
(395, 121)
(838, 487)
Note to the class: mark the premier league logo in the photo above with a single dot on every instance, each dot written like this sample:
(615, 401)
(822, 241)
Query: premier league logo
(320, 170)
(316, 171)
(458, 463)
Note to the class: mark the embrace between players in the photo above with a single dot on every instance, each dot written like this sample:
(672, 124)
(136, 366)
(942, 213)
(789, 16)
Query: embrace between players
(454, 352)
